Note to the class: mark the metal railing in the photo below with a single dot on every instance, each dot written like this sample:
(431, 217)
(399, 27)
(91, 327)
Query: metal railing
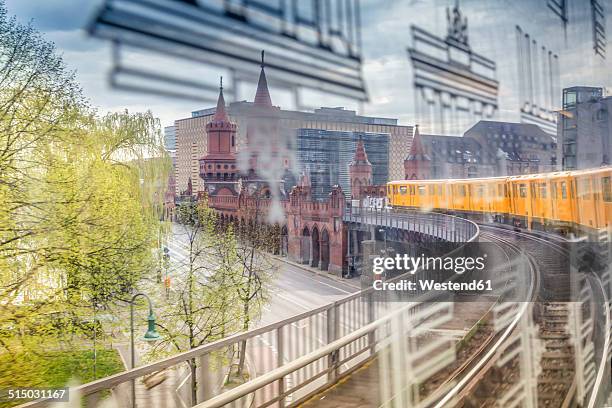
(286, 361)
(379, 334)
(442, 226)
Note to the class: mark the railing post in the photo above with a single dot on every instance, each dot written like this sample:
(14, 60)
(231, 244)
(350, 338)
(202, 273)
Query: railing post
(370, 310)
(279, 363)
(332, 333)
(204, 387)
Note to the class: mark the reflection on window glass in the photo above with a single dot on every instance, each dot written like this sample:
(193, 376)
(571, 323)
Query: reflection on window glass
(606, 189)
(543, 190)
(563, 190)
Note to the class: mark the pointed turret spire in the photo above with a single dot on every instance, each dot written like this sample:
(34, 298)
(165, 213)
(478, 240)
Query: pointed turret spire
(220, 113)
(417, 151)
(417, 144)
(262, 96)
(361, 157)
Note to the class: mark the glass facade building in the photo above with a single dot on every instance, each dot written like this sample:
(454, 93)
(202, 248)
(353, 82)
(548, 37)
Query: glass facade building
(170, 138)
(325, 156)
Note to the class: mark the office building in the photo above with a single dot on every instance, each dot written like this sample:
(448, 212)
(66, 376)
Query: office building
(170, 138)
(585, 128)
(488, 149)
(325, 155)
(191, 135)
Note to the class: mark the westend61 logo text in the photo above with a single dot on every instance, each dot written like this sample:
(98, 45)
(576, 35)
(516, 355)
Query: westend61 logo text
(410, 264)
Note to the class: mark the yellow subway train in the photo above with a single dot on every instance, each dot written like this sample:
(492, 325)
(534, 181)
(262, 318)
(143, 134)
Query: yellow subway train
(559, 201)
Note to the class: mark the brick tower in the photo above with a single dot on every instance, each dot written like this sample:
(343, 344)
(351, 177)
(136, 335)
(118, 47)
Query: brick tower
(218, 168)
(417, 165)
(360, 170)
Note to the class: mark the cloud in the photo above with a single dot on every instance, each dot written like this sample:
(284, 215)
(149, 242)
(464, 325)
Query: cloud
(56, 15)
(386, 36)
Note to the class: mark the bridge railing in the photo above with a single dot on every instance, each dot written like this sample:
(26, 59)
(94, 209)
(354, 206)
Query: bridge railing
(442, 226)
(379, 334)
(306, 353)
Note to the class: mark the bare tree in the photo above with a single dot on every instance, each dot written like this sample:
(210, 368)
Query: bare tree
(256, 273)
(203, 306)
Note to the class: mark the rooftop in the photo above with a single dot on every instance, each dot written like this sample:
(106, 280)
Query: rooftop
(336, 114)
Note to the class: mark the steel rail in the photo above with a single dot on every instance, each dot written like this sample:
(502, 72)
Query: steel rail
(603, 364)
(494, 349)
(466, 364)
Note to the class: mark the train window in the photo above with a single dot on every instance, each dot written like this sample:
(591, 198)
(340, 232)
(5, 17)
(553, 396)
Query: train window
(432, 190)
(563, 190)
(543, 190)
(506, 191)
(411, 190)
(553, 189)
(583, 187)
(403, 190)
(491, 191)
(480, 190)
(440, 190)
(461, 191)
(421, 190)
(606, 189)
(523, 190)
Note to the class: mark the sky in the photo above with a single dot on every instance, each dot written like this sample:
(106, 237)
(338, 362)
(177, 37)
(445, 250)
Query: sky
(63, 22)
(386, 66)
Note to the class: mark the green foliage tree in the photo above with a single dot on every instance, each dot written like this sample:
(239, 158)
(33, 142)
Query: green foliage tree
(80, 202)
(203, 305)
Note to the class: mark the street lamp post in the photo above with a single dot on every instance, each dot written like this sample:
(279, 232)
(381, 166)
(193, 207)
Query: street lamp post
(150, 335)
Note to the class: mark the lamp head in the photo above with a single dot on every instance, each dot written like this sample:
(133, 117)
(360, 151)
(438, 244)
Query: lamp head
(151, 334)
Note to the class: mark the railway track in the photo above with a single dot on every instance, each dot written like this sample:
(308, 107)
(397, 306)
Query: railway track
(473, 370)
(479, 380)
(556, 379)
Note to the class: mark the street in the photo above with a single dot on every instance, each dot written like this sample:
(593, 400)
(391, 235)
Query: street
(294, 290)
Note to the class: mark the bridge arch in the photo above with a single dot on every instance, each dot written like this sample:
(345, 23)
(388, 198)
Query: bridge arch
(316, 254)
(284, 241)
(305, 246)
(324, 250)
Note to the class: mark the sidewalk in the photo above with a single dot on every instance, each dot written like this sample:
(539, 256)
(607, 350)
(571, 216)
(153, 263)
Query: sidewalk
(354, 281)
(166, 394)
